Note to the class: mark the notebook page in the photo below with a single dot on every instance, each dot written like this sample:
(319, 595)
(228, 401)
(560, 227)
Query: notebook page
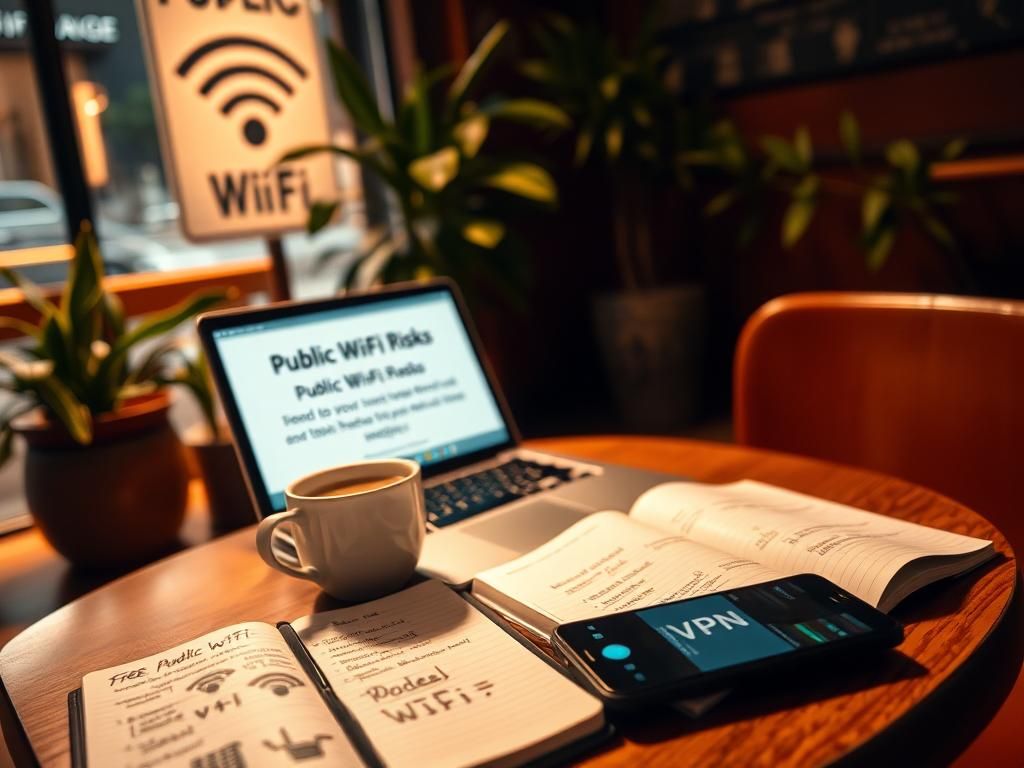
(795, 533)
(607, 563)
(433, 682)
(234, 697)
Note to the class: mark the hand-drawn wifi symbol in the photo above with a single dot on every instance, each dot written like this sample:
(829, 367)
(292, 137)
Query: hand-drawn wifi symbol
(254, 129)
(278, 682)
(211, 681)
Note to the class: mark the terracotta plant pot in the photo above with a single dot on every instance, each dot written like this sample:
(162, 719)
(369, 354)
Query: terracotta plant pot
(119, 501)
(230, 505)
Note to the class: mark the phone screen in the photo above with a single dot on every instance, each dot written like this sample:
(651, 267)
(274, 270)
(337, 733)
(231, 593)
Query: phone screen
(671, 642)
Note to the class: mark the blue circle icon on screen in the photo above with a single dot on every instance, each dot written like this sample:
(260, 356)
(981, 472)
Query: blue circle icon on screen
(616, 652)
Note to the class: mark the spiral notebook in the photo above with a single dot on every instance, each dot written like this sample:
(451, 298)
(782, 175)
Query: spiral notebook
(419, 678)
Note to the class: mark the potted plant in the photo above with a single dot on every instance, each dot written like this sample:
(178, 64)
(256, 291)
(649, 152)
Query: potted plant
(629, 123)
(457, 200)
(213, 449)
(105, 477)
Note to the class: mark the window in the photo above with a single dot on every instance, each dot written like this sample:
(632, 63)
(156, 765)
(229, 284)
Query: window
(135, 213)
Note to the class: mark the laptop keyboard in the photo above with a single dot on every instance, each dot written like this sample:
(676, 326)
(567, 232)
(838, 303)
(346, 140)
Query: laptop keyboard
(464, 497)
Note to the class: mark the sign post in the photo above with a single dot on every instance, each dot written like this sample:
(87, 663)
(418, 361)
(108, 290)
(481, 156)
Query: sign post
(238, 85)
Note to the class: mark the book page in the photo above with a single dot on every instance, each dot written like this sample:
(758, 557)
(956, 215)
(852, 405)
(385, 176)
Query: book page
(795, 533)
(234, 697)
(433, 682)
(607, 563)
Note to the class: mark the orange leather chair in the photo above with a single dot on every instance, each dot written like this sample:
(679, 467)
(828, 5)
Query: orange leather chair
(924, 387)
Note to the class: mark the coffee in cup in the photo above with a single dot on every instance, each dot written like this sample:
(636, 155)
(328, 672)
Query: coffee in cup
(357, 485)
(358, 528)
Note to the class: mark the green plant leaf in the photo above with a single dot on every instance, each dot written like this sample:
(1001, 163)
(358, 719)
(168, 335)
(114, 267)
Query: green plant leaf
(162, 322)
(365, 157)
(538, 70)
(475, 67)
(903, 154)
(584, 143)
(880, 246)
(471, 133)
(782, 153)
(59, 347)
(802, 145)
(954, 149)
(535, 112)
(66, 407)
(721, 202)
(796, 220)
(808, 187)
(354, 91)
(731, 155)
(873, 207)
(749, 229)
(33, 294)
(83, 291)
(152, 364)
(849, 134)
(418, 102)
(435, 171)
(699, 157)
(642, 115)
(113, 315)
(487, 233)
(613, 140)
(320, 214)
(19, 326)
(525, 180)
(938, 231)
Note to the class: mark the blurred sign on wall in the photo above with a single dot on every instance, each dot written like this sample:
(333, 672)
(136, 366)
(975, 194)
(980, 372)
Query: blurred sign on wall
(727, 45)
(238, 84)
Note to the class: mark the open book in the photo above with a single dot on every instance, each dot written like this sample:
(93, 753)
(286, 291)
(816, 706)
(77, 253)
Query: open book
(684, 539)
(418, 678)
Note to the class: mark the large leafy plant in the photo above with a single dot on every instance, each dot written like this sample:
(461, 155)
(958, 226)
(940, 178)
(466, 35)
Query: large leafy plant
(628, 120)
(77, 365)
(457, 199)
(899, 191)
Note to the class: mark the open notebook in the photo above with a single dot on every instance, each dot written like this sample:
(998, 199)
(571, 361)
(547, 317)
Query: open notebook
(683, 539)
(419, 678)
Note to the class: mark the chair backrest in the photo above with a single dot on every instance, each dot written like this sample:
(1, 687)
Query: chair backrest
(925, 387)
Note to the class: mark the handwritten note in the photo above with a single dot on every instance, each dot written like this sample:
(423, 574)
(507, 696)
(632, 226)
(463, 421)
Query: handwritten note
(235, 697)
(794, 533)
(607, 563)
(434, 682)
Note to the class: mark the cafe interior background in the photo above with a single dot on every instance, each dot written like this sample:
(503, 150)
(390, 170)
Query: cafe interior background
(668, 168)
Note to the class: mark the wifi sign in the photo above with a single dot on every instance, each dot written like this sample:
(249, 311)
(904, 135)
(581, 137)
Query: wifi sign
(235, 80)
(239, 83)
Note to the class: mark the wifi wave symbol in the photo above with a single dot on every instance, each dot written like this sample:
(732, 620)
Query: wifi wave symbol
(211, 681)
(273, 84)
(278, 682)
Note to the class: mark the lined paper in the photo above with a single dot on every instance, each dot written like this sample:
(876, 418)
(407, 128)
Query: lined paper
(433, 682)
(607, 563)
(234, 697)
(795, 533)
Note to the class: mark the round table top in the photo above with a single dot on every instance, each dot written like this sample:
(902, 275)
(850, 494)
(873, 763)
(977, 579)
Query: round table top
(916, 702)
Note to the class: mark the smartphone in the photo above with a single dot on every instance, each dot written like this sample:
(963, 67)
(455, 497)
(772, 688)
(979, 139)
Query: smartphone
(704, 644)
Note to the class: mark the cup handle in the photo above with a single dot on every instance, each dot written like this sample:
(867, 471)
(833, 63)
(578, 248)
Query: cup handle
(264, 539)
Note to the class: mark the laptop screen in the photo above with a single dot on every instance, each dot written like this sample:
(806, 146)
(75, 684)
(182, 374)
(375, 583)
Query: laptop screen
(397, 376)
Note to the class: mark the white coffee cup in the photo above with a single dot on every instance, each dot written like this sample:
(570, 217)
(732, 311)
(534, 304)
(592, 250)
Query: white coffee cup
(356, 544)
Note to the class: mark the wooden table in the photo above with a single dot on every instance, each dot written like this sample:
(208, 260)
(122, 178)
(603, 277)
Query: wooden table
(920, 705)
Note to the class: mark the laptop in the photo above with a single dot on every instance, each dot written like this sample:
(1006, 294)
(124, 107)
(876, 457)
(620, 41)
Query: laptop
(399, 372)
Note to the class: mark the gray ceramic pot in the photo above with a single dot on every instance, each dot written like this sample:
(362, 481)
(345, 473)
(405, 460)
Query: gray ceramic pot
(652, 343)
